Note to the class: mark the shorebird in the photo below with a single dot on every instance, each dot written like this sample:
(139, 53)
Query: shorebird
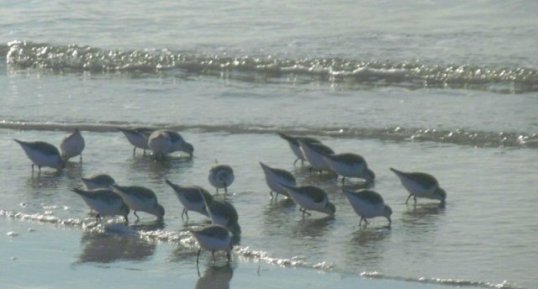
(349, 165)
(191, 198)
(315, 154)
(275, 177)
(421, 185)
(213, 238)
(140, 199)
(42, 154)
(101, 181)
(105, 202)
(72, 145)
(311, 198)
(138, 137)
(368, 204)
(221, 176)
(294, 145)
(224, 213)
(163, 142)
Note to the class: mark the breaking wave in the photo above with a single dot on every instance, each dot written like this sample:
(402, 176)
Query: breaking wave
(354, 73)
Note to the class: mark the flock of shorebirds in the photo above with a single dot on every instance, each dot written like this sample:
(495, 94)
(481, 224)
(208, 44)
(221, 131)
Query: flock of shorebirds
(106, 198)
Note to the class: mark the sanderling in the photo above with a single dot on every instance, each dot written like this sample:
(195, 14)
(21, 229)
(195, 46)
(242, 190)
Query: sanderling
(274, 177)
(350, 165)
(421, 185)
(221, 176)
(72, 145)
(101, 181)
(315, 154)
(140, 199)
(105, 202)
(294, 145)
(163, 142)
(213, 238)
(138, 137)
(42, 154)
(191, 198)
(311, 198)
(368, 204)
(224, 213)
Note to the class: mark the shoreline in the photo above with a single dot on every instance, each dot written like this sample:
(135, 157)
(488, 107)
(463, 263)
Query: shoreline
(33, 245)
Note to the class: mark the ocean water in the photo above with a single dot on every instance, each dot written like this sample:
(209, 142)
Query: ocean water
(449, 88)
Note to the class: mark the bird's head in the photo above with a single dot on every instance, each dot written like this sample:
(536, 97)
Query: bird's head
(330, 209)
(188, 148)
(159, 212)
(440, 194)
(387, 212)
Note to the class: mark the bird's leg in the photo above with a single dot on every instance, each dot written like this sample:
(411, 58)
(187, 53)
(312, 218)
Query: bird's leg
(225, 189)
(415, 198)
(137, 217)
(197, 263)
(295, 161)
(407, 200)
(213, 255)
(134, 150)
(343, 179)
(198, 256)
(183, 213)
(80, 159)
(126, 219)
(187, 215)
(229, 256)
(271, 193)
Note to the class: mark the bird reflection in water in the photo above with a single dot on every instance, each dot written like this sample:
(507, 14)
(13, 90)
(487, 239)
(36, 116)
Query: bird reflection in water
(159, 170)
(45, 180)
(313, 227)
(216, 277)
(423, 214)
(108, 248)
(368, 236)
(367, 247)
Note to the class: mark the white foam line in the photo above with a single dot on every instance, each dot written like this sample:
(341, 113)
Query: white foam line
(441, 281)
(185, 239)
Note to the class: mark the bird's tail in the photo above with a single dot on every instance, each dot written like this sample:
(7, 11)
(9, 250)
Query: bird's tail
(288, 138)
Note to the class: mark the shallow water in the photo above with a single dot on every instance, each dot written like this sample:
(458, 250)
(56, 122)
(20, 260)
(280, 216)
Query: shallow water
(422, 86)
(479, 234)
